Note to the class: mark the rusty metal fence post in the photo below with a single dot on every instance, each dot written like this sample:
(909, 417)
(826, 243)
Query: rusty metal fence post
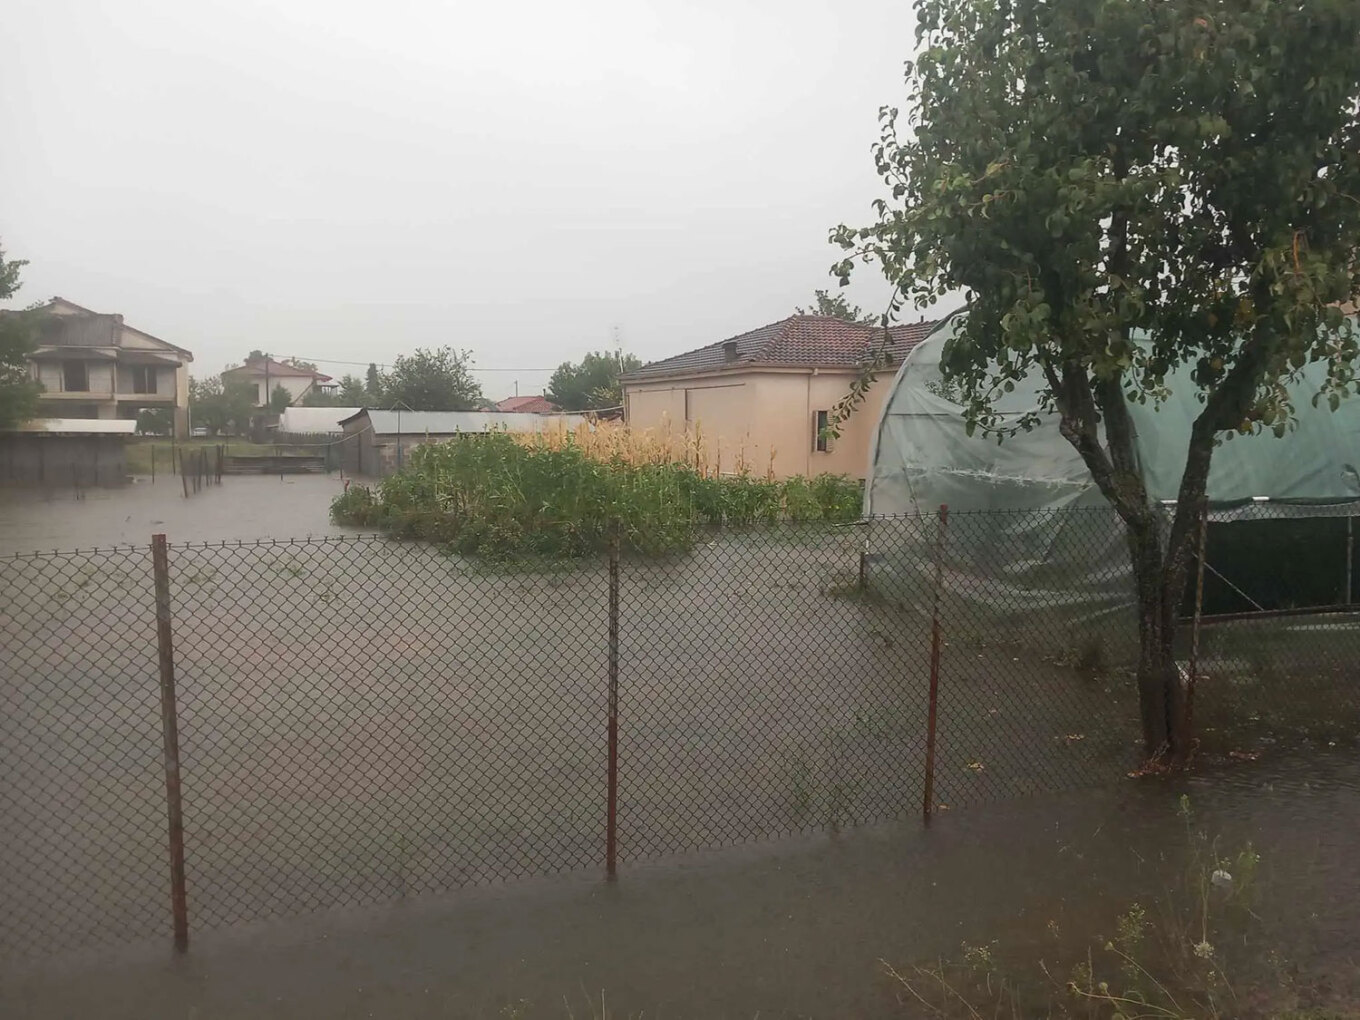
(928, 794)
(611, 824)
(179, 906)
(1194, 624)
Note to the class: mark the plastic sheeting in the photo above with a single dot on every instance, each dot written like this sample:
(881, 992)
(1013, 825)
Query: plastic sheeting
(1032, 554)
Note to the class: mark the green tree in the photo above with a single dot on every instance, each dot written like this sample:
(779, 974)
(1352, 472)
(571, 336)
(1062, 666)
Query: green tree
(1120, 188)
(432, 380)
(155, 421)
(316, 397)
(353, 393)
(836, 306)
(279, 399)
(592, 383)
(18, 390)
(222, 409)
(374, 384)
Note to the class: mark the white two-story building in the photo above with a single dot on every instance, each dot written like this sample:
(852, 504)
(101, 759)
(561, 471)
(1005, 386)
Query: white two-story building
(94, 365)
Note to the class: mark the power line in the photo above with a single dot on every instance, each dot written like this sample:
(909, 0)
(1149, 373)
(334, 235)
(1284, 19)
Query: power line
(380, 364)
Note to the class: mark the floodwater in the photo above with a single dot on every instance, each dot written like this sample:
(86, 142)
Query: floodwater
(792, 929)
(242, 507)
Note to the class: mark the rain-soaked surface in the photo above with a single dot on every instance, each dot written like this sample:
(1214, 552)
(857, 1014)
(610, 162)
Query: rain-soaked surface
(791, 928)
(242, 507)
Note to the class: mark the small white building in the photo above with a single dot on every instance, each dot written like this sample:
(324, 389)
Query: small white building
(314, 421)
(378, 442)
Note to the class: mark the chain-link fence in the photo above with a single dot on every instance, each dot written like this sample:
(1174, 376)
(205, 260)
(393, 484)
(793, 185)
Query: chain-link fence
(361, 720)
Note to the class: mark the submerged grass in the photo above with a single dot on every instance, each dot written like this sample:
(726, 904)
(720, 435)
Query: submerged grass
(164, 455)
(1202, 953)
(499, 498)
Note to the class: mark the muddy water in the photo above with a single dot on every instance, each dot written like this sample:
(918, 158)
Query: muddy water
(794, 929)
(242, 507)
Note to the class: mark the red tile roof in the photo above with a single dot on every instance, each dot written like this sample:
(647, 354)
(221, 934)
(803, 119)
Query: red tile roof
(256, 366)
(799, 341)
(529, 405)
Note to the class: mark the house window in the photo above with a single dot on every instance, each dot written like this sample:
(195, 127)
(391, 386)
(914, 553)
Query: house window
(143, 378)
(820, 439)
(75, 377)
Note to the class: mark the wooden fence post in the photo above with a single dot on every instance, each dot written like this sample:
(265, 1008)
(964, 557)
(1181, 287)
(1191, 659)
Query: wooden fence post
(611, 824)
(928, 795)
(179, 905)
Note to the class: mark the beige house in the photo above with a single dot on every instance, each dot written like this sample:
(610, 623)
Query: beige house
(761, 401)
(266, 373)
(94, 365)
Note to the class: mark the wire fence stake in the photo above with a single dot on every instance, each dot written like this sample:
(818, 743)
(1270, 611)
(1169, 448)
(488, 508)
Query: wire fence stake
(170, 734)
(928, 797)
(611, 825)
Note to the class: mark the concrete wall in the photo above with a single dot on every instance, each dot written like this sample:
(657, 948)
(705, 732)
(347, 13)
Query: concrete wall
(52, 375)
(377, 456)
(296, 385)
(167, 385)
(57, 461)
(762, 420)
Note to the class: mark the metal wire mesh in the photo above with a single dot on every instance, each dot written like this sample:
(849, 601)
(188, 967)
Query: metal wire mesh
(366, 720)
(763, 692)
(362, 720)
(82, 796)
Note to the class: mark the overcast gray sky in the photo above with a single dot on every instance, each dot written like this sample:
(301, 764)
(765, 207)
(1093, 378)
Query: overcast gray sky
(349, 181)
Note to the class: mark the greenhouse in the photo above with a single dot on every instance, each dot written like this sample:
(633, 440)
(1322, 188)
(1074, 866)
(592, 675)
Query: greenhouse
(1028, 528)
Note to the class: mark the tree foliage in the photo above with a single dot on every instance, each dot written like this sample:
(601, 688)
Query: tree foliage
(838, 307)
(221, 408)
(431, 380)
(317, 397)
(279, 399)
(373, 385)
(592, 383)
(1121, 188)
(156, 421)
(18, 390)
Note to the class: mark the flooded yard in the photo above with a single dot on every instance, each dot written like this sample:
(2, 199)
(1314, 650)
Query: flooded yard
(799, 929)
(368, 725)
(242, 507)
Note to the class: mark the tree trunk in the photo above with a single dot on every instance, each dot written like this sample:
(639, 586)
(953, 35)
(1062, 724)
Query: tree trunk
(1159, 579)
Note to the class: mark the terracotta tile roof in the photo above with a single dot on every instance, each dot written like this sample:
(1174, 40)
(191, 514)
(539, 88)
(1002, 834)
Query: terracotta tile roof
(798, 341)
(530, 405)
(256, 366)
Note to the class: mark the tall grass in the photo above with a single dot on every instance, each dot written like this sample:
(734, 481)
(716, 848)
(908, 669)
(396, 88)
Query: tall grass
(557, 496)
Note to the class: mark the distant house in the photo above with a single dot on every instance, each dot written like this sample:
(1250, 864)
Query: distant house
(763, 400)
(378, 442)
(528, 405)
(267, 373)
(93, 365)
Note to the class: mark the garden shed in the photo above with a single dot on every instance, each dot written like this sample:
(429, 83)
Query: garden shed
(1028, 527)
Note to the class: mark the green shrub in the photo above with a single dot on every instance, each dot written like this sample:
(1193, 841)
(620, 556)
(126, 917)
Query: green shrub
(494, 497)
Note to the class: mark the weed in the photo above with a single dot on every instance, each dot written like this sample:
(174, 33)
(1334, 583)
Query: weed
(1171, 965)
(499, 497)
